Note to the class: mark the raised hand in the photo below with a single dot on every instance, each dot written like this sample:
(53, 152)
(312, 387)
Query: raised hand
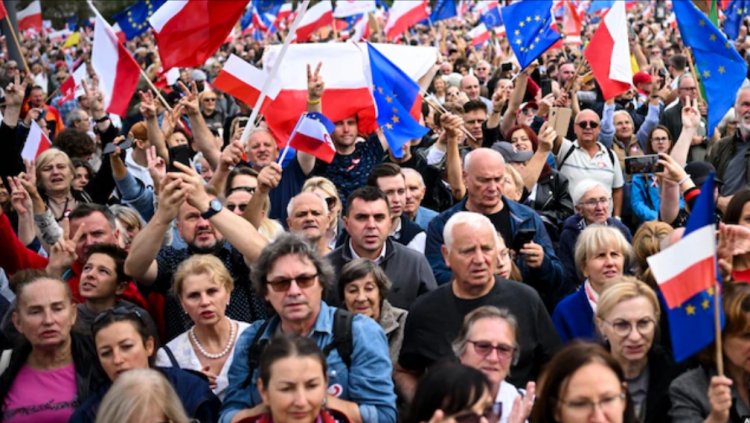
(157, 167)
(315, 84)
(231, 155)
(522, 406)
(691, 115)
(28, 179)
(15, 92)
(19, 197)
(148, 105)
(193, 183)
(173, 193)
(547, 136)
(63, 252)
(269, 178)
(190, 100)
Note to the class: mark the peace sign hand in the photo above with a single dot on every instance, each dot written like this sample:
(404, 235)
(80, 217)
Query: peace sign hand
(63, 253)
(315, 84)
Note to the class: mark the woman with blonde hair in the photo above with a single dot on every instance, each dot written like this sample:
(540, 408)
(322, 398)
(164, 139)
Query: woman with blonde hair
(326, 189)
(141, 395)
(627, 317)
(647, 242)
(203, 286)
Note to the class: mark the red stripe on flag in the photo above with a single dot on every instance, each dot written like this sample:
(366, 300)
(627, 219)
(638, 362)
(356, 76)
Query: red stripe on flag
(312, 146)
(237, 88)
(694, 279)
(126, 82)
(599, 54)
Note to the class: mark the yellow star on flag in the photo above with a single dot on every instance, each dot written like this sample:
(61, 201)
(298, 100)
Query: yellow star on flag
(517, 32)
(388, 126)
(690, 309)
(705, 304)
(537, 18)
(722, 70)
(706, 74)
(388, 98)
(702, 22)
(522, 24)
(712, 37)
(528, 19)
(380, 90)
(395, 119)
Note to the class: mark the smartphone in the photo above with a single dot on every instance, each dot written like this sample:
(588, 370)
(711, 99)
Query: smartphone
(559, 119)
(179, 155)
(506, 67)
(643, 164)
(546, 87)
(522, 237)
(110, 148)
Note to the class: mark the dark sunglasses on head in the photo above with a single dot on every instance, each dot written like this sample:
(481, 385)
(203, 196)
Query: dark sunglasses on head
(585, 124)
(250, 190)
(112, 314)
(330, 202)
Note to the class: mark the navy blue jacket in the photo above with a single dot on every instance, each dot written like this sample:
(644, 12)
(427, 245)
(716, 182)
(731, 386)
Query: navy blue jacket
(574, 318)
(545, 279)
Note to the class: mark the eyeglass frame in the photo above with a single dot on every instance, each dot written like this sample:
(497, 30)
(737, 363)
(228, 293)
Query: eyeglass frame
(588, 406)
(631, 325)
(500, 353)
(303, 282)
(588, 124)
(593, 202)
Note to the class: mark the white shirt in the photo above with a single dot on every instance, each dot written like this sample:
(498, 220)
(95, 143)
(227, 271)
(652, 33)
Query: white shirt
(506, 395)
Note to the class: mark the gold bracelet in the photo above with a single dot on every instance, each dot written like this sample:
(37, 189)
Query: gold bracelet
(316, 101)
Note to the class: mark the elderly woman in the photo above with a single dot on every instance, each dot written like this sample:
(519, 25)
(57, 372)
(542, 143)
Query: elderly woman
(203, 285)
(602, 254)
(627, 316)
(593, 206)
(487, 342)
(54, 368)
(364, 286)
(701, 395)
(582, 383)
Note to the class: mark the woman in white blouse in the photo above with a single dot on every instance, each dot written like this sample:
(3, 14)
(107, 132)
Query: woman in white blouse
(203, 284)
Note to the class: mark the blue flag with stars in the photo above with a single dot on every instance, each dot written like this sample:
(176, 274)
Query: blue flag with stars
(443, 9)
(528, 24)
(735, 13)
(134, 20)
(395, 94)
(691, 324)
(720, 68)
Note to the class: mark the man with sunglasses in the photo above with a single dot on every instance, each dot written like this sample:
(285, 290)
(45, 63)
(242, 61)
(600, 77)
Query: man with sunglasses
(293, 278)
(588, 158)
(435, 319)
(208, 228)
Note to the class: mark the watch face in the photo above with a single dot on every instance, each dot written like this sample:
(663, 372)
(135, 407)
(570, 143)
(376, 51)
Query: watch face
(215, 205)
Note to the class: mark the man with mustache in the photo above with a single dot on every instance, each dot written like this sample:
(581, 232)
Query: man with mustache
(730, 154)
(204, 223)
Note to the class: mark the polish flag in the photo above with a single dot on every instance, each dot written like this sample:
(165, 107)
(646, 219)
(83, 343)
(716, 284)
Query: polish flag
(189, 32)
(30, 17)
(608, 53)
(571, 30)
(245, 82)
(688, 266)
(285, 13)
(315, 18)
(312, 135)
(347, 91)
(36, 143)
(346, 8)
(3, 11)
(117, 70)
(402, 15)
(479, 35)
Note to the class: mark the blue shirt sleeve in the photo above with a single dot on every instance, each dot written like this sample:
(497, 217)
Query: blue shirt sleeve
(237, 396)
(433, 253)
(607, 133)
(137, 196)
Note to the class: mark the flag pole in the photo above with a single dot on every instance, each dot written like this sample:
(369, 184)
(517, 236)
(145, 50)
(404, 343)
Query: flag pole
(439, 108)
(274, 71)
(18, 44)
(694, 73)
(717, 323)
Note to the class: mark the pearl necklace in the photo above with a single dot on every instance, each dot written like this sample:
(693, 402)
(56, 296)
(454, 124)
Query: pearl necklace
(207, 354)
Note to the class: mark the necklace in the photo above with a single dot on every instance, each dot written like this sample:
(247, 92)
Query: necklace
(207, 354)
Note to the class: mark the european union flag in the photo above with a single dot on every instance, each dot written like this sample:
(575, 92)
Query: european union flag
(134, 20)
(528, 24)
(691, 324)
(395, 94)
(491, 18)
(443, 9)
(720, 68)
(247, 19)
(735, 13)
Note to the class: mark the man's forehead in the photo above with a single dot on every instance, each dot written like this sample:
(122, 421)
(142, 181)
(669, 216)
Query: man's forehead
(360, 206)
(587, 114)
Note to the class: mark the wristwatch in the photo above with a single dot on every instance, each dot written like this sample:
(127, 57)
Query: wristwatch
(214, 206)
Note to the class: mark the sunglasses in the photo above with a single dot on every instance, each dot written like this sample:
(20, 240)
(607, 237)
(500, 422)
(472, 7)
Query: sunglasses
(232, 207)
(586, 124)
(302, 281)
(330, 202)
(484, 348)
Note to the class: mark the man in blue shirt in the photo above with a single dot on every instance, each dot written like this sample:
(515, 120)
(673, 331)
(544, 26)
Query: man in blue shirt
(293, 278)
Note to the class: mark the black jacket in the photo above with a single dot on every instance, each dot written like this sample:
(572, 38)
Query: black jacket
(552, 202)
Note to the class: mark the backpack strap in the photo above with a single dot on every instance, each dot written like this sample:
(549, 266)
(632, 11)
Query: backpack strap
(343, 338)
(565, 157)
(171, 356)
(256, 349)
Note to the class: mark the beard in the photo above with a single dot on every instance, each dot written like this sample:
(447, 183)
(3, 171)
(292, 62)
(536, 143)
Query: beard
(212, 250)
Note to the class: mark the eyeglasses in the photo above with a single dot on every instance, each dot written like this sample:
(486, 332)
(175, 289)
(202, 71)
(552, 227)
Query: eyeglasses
(623, 328)
(689, 89)
(595, 202)
(330, 202)
(484, 348)
(492, 413)
(209, 99)
(302, 281)
(585, 124)
(584, 407)
(232, 207)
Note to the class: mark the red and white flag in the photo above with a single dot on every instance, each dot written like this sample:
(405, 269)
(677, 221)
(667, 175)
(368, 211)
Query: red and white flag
(346, 8)
(118, 72)
(245, 82)
(72, 87)
(312, 135)
(30, 18)
(315, 18)
(402, 15)
(347, 91)
(572, 24)
(188, 32)
(3, 11)
(608, 53)
(36, 143)
(479, 35)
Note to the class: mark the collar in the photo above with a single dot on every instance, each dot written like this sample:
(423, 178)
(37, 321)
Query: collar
(396, 233)
(591, 295)
(378, 260)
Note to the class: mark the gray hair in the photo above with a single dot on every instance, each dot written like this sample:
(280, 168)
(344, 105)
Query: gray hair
(585, 186)
(75, 115)
(475, 221)
(135, 393)
(359, 268)
(485, 312)
(410, 171)
(284, 245)
(290, 206)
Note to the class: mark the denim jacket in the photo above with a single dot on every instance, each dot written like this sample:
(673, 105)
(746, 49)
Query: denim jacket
(366, 382)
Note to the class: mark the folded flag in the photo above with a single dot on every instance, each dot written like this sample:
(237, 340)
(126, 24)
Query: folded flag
(316, 17)
(686, 273)
(608, 53)
(36, 143)
(30, 18)
(404, 14)
(133, 21)
(396, 96)
(312, 135)
(245, 82)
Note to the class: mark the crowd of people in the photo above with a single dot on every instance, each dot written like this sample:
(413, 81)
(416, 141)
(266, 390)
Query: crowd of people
(155, 267)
